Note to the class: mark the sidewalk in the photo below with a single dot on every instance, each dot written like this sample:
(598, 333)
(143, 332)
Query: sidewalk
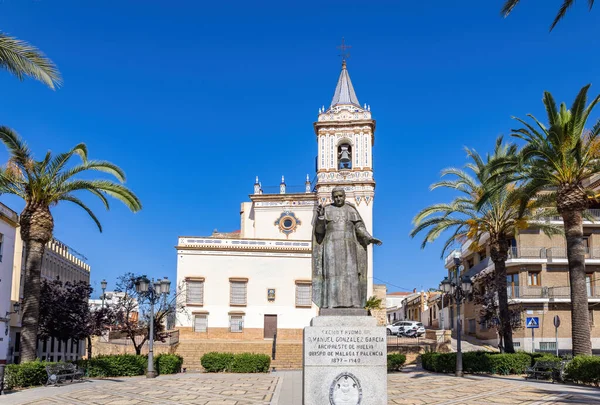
(411, 386)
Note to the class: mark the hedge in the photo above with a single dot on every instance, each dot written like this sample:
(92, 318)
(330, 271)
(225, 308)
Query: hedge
(395, 361)
(584, 370)
(215, 362)
(482, 362)
(168, 363)
(27, 374)
(121, 365)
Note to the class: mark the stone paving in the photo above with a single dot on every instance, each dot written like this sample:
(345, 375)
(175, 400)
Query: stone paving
(410, 387)
(198, 389)
(420, 388)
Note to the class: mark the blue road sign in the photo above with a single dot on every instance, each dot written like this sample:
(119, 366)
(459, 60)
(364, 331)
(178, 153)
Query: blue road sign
(533, 322)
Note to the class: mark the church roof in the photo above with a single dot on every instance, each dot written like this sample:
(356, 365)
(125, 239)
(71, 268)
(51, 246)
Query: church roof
(344, 92)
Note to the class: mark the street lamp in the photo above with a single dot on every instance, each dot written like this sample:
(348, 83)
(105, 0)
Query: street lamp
(459, 288)
(154, 290)
(103, 284)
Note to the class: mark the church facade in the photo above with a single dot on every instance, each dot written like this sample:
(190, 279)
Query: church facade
(255, 282)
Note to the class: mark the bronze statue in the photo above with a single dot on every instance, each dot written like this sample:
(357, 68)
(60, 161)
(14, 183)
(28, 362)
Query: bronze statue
(340, 255)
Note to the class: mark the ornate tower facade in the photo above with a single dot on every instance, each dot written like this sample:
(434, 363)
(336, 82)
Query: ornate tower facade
(345, 137)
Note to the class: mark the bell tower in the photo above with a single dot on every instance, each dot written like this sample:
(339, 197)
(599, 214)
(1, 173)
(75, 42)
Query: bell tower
(345, 137)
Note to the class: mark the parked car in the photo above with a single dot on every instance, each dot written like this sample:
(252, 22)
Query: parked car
(392, 329)
(415, 328)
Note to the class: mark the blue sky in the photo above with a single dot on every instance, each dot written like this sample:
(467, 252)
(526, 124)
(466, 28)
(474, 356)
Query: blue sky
(194, 99)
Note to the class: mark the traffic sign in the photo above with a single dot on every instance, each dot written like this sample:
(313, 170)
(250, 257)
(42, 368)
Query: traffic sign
(556, 321)
(533, 322)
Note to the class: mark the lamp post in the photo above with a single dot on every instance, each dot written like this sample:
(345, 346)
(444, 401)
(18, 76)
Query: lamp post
(103, 284)
(154, 290)
(6, 320)
(459, 288)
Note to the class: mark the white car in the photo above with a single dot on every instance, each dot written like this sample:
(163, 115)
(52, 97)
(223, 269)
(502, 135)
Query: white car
(393, 328)
(406, 326)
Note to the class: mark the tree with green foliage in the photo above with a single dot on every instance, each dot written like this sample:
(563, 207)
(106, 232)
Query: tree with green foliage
(22, 59)
(509, 5)
(43, 184)
(558, 162)
(491, 222)
(373, 304)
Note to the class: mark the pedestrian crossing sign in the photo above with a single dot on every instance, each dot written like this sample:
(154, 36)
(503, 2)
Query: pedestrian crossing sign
(533, 322)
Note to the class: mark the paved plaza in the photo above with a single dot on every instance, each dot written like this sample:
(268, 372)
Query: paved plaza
(284, 388)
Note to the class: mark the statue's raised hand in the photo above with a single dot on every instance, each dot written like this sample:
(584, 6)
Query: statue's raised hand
(320, 211)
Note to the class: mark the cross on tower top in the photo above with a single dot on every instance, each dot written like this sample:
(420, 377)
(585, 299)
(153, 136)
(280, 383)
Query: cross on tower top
(343, 48)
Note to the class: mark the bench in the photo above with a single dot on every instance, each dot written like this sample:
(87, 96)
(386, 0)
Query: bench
(61, 372)
(554, 370)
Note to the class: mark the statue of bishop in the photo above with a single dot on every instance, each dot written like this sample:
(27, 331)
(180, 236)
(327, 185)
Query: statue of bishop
(340, 255)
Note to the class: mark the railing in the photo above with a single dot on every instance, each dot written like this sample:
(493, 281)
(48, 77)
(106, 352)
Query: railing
(562, 292)
(397, 341)
(170, 338)
(531, 252)
(593, 212)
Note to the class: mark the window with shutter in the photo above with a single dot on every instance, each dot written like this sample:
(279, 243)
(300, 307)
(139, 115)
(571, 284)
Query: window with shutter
(195, 292)
(236, 323)
(200, 323)
(238, 292)
(303, 295)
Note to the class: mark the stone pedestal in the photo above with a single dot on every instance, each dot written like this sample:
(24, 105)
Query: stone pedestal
(344, 361)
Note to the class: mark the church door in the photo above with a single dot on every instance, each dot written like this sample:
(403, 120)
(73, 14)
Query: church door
(270, 326)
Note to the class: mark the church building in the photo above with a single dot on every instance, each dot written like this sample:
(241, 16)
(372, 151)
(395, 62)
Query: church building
(255, 282)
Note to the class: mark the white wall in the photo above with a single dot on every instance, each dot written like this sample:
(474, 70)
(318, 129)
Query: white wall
(263, 270)
(6, 270)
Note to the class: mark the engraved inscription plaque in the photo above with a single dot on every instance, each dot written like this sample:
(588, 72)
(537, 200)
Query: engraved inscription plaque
(345, 390)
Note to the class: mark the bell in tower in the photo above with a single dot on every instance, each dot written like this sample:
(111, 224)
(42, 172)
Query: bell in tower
(345, 156)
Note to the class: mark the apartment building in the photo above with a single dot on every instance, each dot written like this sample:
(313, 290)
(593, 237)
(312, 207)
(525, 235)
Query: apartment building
(538, 283)
(59, 261)
(9, 221)
(394, 305)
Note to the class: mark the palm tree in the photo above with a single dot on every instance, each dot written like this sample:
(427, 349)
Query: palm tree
(509, 5)
(486, 208)
(22, 59)
(43, 184)
(559, 161)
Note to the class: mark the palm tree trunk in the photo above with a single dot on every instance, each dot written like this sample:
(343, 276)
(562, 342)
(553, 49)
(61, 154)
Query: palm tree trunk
(580, 324)
(31, 299)
(499, 255)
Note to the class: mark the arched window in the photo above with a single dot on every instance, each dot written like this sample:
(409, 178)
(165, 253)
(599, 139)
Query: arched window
(345, 156)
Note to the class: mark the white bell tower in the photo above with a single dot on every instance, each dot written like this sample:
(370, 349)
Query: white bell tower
(345, 137)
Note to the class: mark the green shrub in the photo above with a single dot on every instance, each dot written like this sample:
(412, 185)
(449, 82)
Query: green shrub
(215, 362)
(250, 363)
(27, 374)
(168, 363)
(395, 361)
(121, 365)
(584, 370)
(477, 362)
(509, 363)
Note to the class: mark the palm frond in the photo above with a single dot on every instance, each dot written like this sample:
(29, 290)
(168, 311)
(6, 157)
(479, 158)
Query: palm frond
(508, 7)
(563, 10)
(22, 59)
(75, 200)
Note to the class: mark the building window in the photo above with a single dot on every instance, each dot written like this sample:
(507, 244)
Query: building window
(534, 278)
(195, 292)
(586, 244)
(238, 292)
(589, 284)
(200, 323)
(236, 323)
(482, 255)
(303, 294)
(516, 344)
(1, 245)
(591, 316)
(512, 285)
(548, 346)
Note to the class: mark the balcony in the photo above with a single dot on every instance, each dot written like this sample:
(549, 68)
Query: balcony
(535, 292)
(527, 252)
(593, 212)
